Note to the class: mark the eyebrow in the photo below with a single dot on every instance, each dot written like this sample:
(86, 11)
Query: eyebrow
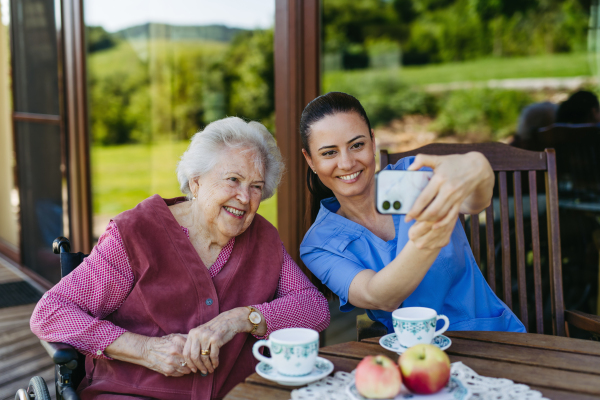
(348, 142)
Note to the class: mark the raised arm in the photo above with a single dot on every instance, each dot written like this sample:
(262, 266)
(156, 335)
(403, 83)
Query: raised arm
(387, 289)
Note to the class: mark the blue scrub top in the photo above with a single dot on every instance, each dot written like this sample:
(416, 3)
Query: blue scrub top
(335, 249)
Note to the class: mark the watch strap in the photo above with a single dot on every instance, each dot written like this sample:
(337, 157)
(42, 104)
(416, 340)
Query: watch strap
(255, 326)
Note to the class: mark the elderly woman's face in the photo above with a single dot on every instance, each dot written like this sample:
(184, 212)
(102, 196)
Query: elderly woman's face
(229, 195)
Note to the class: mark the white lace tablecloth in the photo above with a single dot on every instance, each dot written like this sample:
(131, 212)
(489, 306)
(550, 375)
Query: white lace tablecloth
(481, 387)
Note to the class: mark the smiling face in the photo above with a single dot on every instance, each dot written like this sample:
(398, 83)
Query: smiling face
(228, 197)
(342, 153)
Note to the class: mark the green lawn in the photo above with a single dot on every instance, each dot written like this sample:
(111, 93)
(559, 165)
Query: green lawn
(545, 66)
(124, 175)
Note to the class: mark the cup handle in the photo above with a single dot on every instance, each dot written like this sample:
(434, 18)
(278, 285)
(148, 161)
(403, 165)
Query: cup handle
(443, 328)
(257, 354)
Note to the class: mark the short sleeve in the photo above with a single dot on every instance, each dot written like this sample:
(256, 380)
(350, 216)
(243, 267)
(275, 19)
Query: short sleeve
(335, 271)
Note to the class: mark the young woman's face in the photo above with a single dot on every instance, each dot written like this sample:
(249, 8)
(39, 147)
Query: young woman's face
(342, 153)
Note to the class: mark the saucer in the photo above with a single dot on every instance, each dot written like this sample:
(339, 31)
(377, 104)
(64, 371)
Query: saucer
(390, 342)
(322, 368)
(454, 390)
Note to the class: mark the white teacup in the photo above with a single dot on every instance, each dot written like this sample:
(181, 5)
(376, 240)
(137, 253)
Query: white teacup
(293, 351)
(416, 325)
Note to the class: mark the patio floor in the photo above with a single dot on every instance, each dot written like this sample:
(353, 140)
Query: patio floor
(21, 354)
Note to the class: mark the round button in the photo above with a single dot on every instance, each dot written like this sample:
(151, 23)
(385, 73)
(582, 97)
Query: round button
(386, 205)
(209, 302)
(396, 205)
(99, 352)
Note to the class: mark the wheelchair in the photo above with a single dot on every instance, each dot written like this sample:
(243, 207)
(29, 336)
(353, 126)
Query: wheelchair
(70, 364)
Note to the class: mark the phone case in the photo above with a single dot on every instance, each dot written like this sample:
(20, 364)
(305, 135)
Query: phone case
(396, 191)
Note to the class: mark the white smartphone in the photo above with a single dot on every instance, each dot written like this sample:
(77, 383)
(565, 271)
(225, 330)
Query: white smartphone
(396, 191)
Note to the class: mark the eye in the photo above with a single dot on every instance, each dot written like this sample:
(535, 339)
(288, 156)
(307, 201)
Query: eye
(258, 187)
(328, 153)
(233, 179)
(357, 145)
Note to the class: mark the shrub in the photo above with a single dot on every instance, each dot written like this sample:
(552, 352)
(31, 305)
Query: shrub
(382, 93)
(486, 113)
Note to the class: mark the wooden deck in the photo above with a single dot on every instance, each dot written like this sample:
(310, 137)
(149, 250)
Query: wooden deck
(21, 354)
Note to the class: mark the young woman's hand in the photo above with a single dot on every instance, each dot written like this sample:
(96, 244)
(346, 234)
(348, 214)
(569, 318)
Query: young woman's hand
(461, 183)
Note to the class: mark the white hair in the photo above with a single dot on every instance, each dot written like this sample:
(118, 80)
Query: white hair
(232, 132)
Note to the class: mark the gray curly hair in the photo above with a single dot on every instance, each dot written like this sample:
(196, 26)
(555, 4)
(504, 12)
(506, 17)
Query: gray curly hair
(233, 132)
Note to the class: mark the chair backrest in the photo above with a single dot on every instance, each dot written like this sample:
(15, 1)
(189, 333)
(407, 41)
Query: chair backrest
(577, 157)
(505, 160)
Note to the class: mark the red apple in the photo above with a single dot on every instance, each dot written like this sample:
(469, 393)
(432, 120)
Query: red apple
(425, 368)
(378, 377)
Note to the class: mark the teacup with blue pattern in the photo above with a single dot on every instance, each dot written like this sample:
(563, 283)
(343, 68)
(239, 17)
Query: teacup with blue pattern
(293, 351)
(416, 325)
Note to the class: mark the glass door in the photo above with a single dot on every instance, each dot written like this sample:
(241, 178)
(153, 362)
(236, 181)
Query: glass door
(35, 28)
(158, 72)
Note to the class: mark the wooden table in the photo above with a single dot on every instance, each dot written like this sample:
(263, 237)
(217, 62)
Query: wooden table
(560, 368)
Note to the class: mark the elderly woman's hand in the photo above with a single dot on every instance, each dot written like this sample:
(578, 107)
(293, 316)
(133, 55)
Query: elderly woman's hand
(460, 184)
(161, 354)
(165, 355)
(212, 335)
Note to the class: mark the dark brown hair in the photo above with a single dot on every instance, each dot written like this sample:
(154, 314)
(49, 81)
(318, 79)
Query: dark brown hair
(328, 104)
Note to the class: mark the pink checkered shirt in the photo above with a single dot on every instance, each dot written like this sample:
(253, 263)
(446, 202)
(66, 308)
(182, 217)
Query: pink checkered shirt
(72, 312)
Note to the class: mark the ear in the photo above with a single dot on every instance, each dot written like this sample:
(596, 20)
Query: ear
(193, 184)
(308, 159)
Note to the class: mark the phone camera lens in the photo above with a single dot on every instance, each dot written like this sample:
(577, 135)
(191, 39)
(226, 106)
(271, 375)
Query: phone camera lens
(397, 205)
(386, 205)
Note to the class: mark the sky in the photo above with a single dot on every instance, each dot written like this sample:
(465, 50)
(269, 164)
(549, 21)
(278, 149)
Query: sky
(4, 10)
(115, 15)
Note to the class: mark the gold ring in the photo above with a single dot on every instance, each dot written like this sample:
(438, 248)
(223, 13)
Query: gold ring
(205, 352)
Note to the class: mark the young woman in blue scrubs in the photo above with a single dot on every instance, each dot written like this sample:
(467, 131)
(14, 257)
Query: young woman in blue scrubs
(383, 262)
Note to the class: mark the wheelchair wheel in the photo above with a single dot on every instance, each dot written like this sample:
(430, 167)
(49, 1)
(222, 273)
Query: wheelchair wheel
(37, 389)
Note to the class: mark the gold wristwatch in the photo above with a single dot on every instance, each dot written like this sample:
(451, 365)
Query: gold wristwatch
(254, 318)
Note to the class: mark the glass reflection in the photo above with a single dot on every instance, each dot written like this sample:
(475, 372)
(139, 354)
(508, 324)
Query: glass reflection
(455, 70)
(40, 193)
(158, 72)
(36, 56)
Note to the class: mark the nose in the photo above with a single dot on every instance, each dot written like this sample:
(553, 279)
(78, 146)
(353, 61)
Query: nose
(346, 161)
(243, 195)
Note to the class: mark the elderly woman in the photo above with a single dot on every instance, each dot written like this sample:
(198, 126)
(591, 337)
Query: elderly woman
(175, 293)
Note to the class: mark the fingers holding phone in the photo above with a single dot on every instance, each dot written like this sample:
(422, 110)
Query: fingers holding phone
(462, 180)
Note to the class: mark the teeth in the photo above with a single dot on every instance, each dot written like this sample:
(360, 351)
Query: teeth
(349, 177)
(234, 211)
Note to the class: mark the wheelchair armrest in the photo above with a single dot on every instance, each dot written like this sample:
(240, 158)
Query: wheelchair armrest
(62, 354)
(366, 328)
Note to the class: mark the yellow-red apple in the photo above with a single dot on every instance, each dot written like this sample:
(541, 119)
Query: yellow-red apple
(378, 377)
(425, 368)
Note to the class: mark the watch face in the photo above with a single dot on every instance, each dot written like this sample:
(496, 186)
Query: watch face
(254, 317)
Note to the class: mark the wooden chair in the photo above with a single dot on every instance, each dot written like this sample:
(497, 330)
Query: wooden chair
(506, 161)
